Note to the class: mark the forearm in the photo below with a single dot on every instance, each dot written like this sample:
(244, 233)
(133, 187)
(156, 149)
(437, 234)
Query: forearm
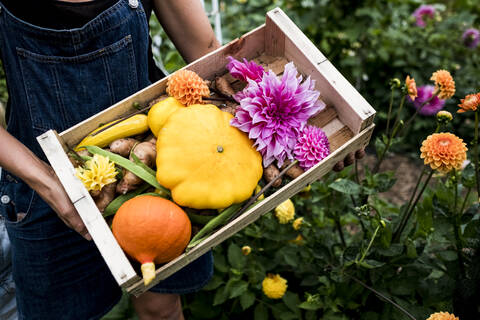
(187, 25)
(21, 162)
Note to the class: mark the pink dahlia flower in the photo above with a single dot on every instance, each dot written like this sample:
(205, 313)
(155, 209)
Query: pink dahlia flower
(312, 147)
(245, 70)
(471, 37)
(422, 12)
(275, 110)
(424, 93)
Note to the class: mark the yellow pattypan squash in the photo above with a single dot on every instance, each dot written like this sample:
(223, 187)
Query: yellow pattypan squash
(160, 111)
(205, 162)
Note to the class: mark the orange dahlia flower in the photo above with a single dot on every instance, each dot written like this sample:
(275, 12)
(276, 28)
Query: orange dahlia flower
(187, 87)
(411, 87)
(443, 151)
(444, 84)
(470, 103)
(442, 316)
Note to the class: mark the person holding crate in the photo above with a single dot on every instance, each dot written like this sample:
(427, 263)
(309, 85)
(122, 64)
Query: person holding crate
(64, 62)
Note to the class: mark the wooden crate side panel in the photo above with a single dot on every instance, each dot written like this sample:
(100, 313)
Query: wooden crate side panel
(353, 110)
(249, 46)
(113, 255)
(292, 188)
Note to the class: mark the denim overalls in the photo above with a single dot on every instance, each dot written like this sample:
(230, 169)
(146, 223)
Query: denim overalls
(57, 78)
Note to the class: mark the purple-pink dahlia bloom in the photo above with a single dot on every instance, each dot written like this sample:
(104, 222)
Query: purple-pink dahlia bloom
(423, 11)
(424, 93)
(245, 70)
(312, 147)
(274, 112)
(471, 37)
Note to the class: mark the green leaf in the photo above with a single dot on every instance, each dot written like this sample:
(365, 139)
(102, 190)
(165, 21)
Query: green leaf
(261, 312)
(448, 255)
(311, 305)
(129, 165)
(214, 283)
(141, 164)
(236, 288)
(346, 186)
(220, 296)
(113, 206)
(235, 256)
(371, 264)
(292, 301)
(468, 176)
(221, 263)
(247, 299)
(395, 249)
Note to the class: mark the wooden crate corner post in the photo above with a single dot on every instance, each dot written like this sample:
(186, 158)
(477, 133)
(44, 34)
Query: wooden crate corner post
(106, 243)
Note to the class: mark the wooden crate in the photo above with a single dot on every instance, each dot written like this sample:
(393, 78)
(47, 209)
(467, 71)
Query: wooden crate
(347, 121)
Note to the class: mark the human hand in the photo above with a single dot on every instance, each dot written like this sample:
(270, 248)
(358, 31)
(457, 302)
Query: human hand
(55, 196)
(349, 159)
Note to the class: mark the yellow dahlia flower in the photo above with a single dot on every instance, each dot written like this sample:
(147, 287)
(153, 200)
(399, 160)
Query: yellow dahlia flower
(443, 151)
(285, 211)
(444, 84)
(411, 87)
(274, 286)
(442, 316)
(297, 223)
(97, 172)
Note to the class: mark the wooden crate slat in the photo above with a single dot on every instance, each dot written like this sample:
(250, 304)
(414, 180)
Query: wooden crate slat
(292, 188)
(97, 227)
(344, 97)
(323, 117)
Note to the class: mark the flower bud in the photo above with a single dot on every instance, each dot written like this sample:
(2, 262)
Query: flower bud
(444, 117)
(395, 83)
(246, 250)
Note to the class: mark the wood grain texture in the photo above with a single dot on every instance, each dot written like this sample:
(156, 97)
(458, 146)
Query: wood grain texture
(111, 252)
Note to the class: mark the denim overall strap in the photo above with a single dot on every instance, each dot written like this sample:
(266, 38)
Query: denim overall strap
(57, 78)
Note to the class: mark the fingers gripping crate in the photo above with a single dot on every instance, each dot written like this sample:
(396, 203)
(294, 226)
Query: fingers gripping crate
(347, 121)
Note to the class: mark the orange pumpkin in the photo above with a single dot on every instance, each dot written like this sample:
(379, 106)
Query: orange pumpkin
(151, 230)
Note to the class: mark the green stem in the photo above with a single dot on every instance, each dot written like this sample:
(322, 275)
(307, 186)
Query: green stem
(340, 231)
(456, 226)
(465, 201)
(409, 121)
(402, 226)
(390, 110)
(381, 295)
(475, 151)
(397, 119)
(370, 244)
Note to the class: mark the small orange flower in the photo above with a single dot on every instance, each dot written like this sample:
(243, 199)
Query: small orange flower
(444, 84)
(442, 316)
(187, 87)
(470, 103)
(443, 151)
(411, 87)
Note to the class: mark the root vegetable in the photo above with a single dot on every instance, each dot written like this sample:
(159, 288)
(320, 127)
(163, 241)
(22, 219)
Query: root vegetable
(151, 138)
(146, 153)
(295, 171)
(270, 173)
(107, 194)
(224, 87)
(230, 107)
(123, 146)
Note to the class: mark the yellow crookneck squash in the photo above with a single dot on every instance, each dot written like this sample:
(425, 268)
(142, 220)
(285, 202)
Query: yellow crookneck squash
(205, 162)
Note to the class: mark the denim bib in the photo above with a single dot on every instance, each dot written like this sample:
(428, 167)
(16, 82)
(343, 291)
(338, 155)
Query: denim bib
(57, 78)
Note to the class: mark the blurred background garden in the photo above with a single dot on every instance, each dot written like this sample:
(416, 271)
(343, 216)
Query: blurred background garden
(392, 241)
